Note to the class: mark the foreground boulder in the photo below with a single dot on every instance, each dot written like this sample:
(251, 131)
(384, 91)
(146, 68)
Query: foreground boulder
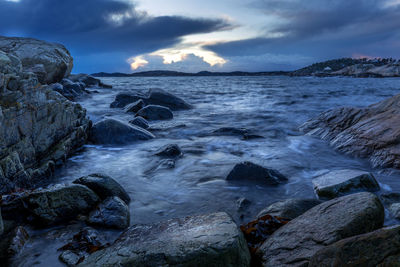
(289, 208)
(341, 182)
(372, 132)
(104, 186)
(248, 171)
(378, 248)
(111, 213)
(296, 242)
(207, 240)
(115, 132)
(59, 204)
(153, 97)
(39, 128)
(34, 54)
(155, 112)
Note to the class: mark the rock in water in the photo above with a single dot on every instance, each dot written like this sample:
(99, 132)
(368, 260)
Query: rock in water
(141, 122)
(11, 245)
(104, 186)
(115, 132)
(87, 80)
(371, 132)
(111, 213)
(154, 112)
(248, 171)
(296, 242)
(289, 208)
(55, 58)
(123, 99)
(341, 182)
(378, 248)
(59, 204)
(135, 106)
(207, 240)
(169, 151)
(39, 128)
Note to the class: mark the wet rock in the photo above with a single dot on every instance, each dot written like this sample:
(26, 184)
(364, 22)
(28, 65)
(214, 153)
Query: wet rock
(153, 97)
(377, 248)
(230, 131)
(296, 242)
(115, 132)
(111, 213)
(88, 80)
(395, 210)
(104, 186)
(207, 240)
(71, 90)
(59, 204)
(243, 203)
(11, 244)
(141, 122)
(248, 171)
(390, 198)
(69, 258)
(289, 208)
(55, 58)
(371, 132)
(169, 151)
(341, 182)
(154, 112)
(135, 106)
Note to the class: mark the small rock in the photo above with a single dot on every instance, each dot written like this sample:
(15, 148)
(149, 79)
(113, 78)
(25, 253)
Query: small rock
(104, 186)
(135, 106)
(378, 248)
(341, 182)
(163, 98)
(296, 242)
(230, 131)
(248, 171)
(123, 99)
(115, 132)
(154, 112)
(69, 258)
(111, 213)
(141, 122)
(243, 203)
(395, 210)
(289, 208)
(169, 151)
(390, 198)
(205, 240)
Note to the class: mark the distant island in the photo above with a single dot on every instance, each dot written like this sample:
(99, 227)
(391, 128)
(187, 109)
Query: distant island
(361, 68)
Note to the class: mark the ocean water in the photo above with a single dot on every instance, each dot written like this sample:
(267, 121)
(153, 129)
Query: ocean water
(273, 107)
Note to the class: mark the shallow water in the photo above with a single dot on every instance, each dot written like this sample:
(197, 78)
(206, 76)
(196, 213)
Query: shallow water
(273, 107)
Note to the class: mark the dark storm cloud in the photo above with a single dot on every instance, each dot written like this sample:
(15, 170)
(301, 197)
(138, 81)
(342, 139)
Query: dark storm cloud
(324, 29)
(91, 26)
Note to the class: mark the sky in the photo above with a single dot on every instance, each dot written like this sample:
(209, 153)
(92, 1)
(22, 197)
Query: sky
(213, 35)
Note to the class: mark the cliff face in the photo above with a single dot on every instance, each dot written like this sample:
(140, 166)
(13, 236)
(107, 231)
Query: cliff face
(39, 128)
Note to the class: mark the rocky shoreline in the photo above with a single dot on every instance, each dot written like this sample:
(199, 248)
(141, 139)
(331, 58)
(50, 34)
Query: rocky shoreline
(42, 125)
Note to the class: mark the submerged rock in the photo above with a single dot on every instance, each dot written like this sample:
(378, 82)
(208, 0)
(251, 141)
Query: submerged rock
(341, 182)
(207, 240)
(135, 106)
(54, 58)
(248, 171)
(372, 132)
(115, 132)
(378, 248)
(289, 208)
(296, 242)
(104, 186)
(169, 151)
(111, 213)
(154, 112)
(59, 204)
(141, 122)
(153, 97)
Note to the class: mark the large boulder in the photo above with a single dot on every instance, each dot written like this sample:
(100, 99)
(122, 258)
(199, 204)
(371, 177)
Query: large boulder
(152, 97)
(111, 213)
(378, 248)
(55, 59)
(39, 128)
(372, 132)
(289, 208)
(155, 112)
(206, 240)
(296, 242)
(248, 171)
(59, 204)
(115, 132)
(104, 186)
(341, 182)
